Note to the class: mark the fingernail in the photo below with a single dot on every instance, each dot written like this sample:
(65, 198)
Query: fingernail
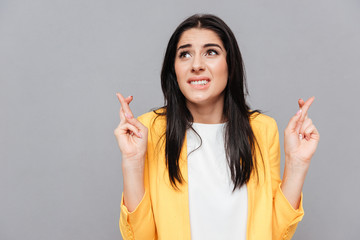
(128, 116)
(300, 136)
(140, 135)
(298, 112)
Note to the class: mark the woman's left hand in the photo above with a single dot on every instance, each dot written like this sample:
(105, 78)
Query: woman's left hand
(300, 142)
(301, 138)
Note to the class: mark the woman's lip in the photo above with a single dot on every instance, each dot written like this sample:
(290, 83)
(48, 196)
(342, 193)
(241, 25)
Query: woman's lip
(199, 86)
(198, 78)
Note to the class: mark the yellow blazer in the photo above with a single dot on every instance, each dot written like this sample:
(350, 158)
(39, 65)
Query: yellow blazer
(163, 213)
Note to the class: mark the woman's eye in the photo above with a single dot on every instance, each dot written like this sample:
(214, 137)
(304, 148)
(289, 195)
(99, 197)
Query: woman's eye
(211, 52)
(184, 55)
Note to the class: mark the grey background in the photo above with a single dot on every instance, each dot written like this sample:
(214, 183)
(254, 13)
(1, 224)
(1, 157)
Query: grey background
(61, 63)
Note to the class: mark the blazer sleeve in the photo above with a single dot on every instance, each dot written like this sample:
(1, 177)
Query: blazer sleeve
(285, 217)
(139, 224)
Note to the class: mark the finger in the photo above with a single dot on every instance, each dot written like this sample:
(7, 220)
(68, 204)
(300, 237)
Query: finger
(301, 103)
(125, 106)
(122, 114)
(291, 127)
(127, 128)
(306, 107)
(311, 133)
(137, 124)
(308, 122)
(129, 99)
(304, 110)
(131, 129)
(133, 121)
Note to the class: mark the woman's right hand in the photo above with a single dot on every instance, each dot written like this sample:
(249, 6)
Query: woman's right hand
(130, 134)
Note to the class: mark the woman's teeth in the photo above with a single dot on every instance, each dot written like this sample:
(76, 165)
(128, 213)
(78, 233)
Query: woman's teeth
(202, 82)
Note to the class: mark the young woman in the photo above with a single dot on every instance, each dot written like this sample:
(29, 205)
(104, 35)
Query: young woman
(205, 166)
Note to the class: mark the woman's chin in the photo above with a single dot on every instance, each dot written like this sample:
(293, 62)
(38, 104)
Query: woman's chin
(203, 101)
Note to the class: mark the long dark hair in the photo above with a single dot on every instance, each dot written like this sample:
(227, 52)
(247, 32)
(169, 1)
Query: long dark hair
(239, 137)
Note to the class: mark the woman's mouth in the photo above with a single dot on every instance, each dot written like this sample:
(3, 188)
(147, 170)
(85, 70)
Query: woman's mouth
(199, 82)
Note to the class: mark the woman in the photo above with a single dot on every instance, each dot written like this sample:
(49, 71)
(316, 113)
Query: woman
(205, 166)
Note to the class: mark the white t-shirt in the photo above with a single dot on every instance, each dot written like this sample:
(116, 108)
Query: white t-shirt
(216, 212)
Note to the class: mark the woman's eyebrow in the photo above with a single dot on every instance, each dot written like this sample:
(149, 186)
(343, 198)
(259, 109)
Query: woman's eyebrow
(212, 45)
(205, 46)
(184, 46)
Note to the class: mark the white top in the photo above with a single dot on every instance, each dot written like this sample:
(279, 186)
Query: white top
(215, 211)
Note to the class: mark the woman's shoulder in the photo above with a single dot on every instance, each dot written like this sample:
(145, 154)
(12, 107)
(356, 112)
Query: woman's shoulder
(260, 121)
(153, 117)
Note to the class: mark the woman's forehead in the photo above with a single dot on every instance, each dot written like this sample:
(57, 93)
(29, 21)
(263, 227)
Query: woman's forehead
(199, 37)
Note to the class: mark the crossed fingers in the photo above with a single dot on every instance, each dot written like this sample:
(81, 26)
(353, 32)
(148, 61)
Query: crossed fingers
(304, 125)
(125, 111)
(127, 119)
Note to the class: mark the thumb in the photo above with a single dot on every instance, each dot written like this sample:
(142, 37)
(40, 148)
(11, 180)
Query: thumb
(292, 125)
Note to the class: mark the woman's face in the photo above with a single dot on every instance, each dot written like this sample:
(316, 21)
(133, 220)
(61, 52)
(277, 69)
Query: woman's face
(200, 67)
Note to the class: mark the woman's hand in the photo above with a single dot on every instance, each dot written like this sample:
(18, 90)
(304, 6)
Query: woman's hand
(131, 135)
(132, 139)
(301, 138)
(300, 142)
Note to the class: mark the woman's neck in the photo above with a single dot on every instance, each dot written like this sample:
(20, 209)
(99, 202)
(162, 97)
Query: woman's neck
(209, 113)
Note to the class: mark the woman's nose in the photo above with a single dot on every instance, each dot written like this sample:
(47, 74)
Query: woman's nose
(198, 64)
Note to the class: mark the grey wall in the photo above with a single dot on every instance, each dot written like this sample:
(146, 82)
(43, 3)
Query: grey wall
(61, 63)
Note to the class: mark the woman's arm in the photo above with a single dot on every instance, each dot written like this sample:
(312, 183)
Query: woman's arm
(136, 217)
(300, 142)
(132, 139)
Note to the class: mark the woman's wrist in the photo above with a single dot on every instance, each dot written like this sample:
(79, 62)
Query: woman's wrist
(133, 164)
(295, 168)
(291, 186)
(293, 181)
(133, 181)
